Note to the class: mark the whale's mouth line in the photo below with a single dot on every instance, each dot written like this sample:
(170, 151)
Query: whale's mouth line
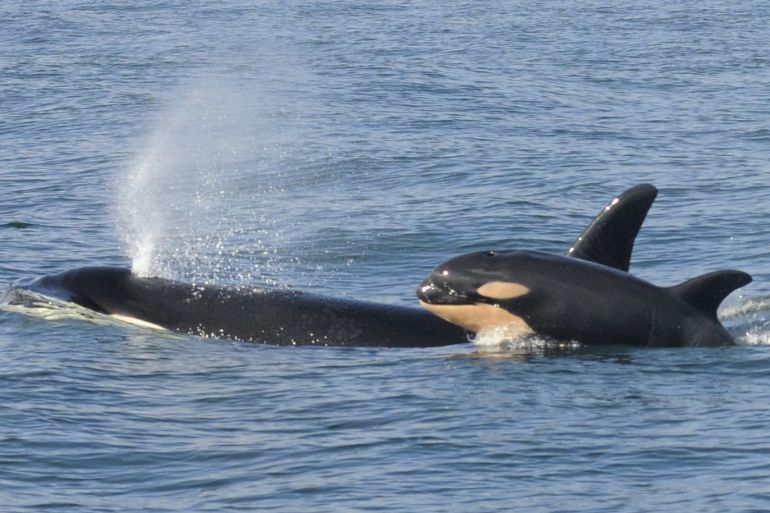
(431, 293)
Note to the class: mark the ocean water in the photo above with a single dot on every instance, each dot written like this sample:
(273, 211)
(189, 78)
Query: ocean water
(347, 148)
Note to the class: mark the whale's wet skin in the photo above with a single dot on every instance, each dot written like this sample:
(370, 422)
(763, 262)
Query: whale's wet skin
(245, 313)
(571, 299)
(586, 296)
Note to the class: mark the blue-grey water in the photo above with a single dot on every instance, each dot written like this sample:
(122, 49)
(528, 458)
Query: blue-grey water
(348, 147)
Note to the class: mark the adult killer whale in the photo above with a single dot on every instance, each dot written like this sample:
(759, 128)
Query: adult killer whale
(286, 317)
(270, 316)
(587, 295)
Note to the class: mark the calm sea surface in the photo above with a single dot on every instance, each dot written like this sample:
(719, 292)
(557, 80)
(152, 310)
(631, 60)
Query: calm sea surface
(347, 147)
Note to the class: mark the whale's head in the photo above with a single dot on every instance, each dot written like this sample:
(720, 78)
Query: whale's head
(479, 291)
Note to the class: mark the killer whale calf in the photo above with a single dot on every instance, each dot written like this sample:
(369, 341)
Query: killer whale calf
(587, 295)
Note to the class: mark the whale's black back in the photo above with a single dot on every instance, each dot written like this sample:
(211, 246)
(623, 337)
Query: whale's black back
(270, 316)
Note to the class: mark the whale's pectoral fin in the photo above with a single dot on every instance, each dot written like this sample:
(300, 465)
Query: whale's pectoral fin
(609, 239)
(707, 292)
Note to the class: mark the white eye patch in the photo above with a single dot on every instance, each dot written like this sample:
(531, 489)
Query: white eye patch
(502, 290)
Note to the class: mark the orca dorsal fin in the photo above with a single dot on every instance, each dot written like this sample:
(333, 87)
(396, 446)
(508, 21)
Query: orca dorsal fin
(707, 292)
(609, 239)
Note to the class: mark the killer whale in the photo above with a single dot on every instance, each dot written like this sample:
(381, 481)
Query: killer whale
(587, 295)
(269, 316)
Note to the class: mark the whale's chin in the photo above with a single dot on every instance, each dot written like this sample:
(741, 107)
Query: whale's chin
(477, 317)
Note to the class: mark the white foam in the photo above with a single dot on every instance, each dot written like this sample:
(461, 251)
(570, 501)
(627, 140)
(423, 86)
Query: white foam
(35, 304)
(498, 340)
(747, 307)
(38, 305)
(755, 336)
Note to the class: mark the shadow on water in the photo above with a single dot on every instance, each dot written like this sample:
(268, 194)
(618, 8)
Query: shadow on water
(17, 225)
